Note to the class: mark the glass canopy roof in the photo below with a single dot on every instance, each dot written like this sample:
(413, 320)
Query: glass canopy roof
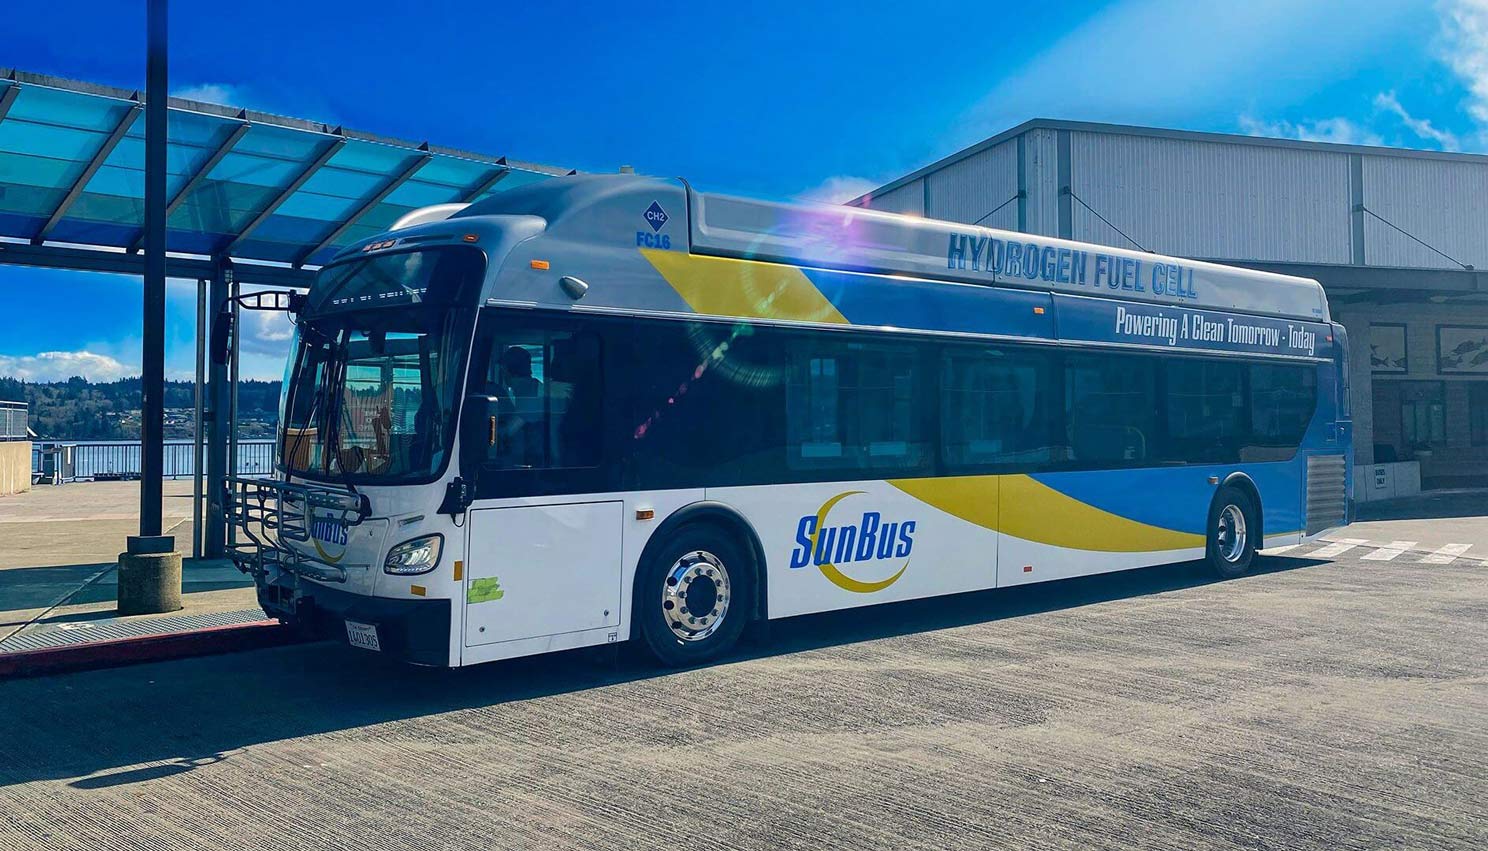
(240, 184)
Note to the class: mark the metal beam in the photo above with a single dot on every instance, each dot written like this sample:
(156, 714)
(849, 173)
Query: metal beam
(214, 533)
(201, 173)
(1022, 152)
(152, 346)
(93, 166)
(11, 92)
(486, 184)
(1356, 210)
(1065, 217)
(292, 188)
(1348, 276)
(377, 198)
(118, 262)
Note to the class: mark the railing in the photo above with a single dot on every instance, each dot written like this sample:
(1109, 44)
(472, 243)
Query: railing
(121, 459)
(14, 417)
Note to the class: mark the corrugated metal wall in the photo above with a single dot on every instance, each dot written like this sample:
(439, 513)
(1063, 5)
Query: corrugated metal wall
(1440, 202)
(1226, 200)
(967, 191)
(908, 199)
(1205, 199)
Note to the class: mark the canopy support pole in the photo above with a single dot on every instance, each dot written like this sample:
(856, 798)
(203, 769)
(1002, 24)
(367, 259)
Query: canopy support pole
(152, 406)
(216, 415)
(198, 434)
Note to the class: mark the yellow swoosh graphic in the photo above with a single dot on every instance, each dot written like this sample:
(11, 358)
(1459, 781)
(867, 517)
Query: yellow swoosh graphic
(323, 554)
(1023, 507)
(829, 570)
(749, 289)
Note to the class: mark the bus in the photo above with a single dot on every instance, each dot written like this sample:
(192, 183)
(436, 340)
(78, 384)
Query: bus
(605, 408)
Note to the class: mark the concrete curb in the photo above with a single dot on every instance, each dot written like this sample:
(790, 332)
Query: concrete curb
(148, 648)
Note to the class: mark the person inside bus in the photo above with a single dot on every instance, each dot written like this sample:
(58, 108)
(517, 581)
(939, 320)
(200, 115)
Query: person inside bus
(516, 373)
(521, 443)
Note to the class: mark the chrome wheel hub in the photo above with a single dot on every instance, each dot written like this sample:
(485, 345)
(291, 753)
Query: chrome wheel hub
(1230, 536)
(695, 596)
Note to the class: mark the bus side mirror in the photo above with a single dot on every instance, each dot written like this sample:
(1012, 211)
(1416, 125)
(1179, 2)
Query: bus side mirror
(480, 421)
(222, 337)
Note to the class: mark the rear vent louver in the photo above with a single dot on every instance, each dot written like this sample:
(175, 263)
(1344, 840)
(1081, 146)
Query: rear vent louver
(1327, 495)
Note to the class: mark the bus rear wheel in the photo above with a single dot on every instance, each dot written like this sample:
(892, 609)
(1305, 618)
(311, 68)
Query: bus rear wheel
(693, 597)
(1233, 526)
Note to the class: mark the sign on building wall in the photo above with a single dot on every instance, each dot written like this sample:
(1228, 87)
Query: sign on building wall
(1387, 349)
(1462, 350)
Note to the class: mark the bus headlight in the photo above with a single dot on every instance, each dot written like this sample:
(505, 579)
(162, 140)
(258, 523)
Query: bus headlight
(419, 555)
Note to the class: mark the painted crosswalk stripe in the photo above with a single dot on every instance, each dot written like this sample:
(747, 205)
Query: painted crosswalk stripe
(1446, 554)
(1337, 548)
(1389, 551)
(1276, 551)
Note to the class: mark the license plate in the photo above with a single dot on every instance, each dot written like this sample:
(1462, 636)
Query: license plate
(363, 635)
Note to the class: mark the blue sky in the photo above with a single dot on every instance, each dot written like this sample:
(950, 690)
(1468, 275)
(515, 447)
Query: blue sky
(776, 99)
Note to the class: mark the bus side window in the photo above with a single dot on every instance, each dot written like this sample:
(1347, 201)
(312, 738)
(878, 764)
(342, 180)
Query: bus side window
(547, 386)
(1204, 410)
(1111, 408)
(995, 408)
(855, 407)
(1282, 401)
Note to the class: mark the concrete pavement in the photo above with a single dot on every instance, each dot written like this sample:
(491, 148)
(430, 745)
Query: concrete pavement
(58, 550)
(83, 522)
(1315, 704)
(1435, 518)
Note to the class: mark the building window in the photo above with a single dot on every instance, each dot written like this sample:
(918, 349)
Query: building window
(1477, 412)
(1423, 414)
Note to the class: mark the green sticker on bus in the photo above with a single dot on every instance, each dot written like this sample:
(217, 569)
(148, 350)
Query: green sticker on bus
(484, 590)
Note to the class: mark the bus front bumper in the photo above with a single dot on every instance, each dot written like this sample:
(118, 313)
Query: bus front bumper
(415, 631)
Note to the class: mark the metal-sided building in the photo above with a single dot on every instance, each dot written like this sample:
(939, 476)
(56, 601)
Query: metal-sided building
(1395, 236)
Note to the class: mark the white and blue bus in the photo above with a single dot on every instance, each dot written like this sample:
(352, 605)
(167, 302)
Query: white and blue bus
(605, 408)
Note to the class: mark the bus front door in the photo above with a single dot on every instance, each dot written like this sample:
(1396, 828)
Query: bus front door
(535, 571)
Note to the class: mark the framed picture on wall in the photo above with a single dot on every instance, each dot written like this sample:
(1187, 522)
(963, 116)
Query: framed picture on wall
(1462, 349)
(1387, 349)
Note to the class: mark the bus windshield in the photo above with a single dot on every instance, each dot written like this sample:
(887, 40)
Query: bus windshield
(370, 393)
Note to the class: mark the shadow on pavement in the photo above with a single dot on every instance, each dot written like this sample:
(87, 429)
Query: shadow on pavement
(194, 712)
(1427, 506)
(27, 588)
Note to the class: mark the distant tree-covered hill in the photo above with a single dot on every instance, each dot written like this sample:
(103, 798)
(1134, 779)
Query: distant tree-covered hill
(78, 409)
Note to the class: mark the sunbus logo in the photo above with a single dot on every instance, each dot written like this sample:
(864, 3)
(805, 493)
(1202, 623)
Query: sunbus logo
(869, 539)
(330, 533)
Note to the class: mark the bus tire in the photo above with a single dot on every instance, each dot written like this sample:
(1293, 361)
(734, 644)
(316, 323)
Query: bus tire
(694, 596)
(1234, 522)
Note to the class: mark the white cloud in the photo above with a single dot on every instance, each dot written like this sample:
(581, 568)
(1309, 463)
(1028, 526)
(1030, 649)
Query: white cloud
(1339, 130)
(1446, 140)
(1164, 61)
(1465, 50)
(60, 366)
(839, 189)
(303, 101)
(1463, 47)
(266, 332)
(218, 93)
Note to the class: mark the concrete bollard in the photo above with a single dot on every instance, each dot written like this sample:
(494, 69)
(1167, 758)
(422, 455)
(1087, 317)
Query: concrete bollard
(149, 577)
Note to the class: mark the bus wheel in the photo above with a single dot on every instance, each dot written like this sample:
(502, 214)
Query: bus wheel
(1232, 532)
(694, 597)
